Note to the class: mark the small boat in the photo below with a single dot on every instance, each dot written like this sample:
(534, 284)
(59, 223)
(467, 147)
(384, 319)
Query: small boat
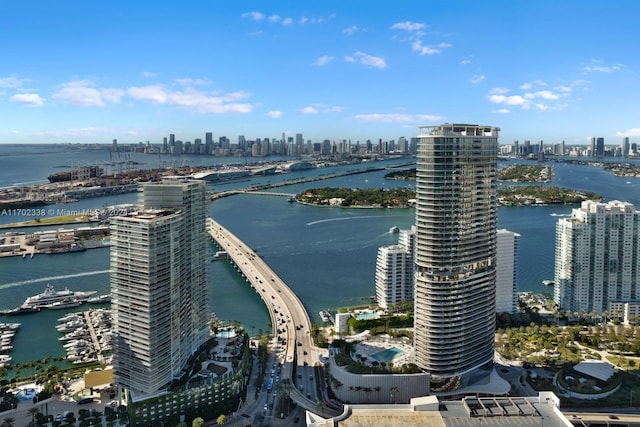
(548, 282)
(325, 316)
(69, 317)
(220, 255)
(23, 309)
(291, 199)
(394, 229)
(100, 299)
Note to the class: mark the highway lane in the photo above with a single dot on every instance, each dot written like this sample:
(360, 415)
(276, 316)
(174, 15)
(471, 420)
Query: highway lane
(292, 343)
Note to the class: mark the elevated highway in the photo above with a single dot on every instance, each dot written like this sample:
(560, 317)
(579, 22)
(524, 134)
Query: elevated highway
(290, 321)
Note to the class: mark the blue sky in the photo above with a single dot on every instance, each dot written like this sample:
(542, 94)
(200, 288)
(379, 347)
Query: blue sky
(91, 71)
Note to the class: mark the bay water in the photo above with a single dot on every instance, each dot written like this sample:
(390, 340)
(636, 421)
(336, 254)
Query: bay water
(326, 255)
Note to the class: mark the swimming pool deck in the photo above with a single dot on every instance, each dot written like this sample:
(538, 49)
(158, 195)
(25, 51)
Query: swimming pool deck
(376, 344)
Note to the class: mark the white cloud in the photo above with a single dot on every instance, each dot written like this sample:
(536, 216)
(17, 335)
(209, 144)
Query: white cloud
(408, 26)
(398, 118)
(629, 132)
(154, 93)
(415, 37)
(541, 99)
(501, 111)
(544, 94)
(32, 99)
(533, 84)
(149, 74)
(321, 108)
(203, 103)
(465, 62)
(275, 18)
(509, 100)
(306, 19)
(477, 78)
(84, 93)
(12, 82)
(334, 109)
(368, 60)
(188, 81)
(192, 99)
(323, 60)
(274, 114)
(499, 91)
(256, 16)
(422, 50)
(597, 68)
(352, 30)
(287, 21)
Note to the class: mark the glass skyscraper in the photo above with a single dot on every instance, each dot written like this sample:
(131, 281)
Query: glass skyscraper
(159, 287)
(455, 264)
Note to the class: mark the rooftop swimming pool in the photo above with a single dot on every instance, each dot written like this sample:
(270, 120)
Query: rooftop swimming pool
(26, 393)
(367, 316)
(226, 333)
(387, 355)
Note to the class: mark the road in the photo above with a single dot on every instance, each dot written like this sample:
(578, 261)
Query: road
(291, 344)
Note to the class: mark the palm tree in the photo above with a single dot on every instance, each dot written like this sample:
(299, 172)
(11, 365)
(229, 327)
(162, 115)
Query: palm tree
(33, 411)
(8, 422)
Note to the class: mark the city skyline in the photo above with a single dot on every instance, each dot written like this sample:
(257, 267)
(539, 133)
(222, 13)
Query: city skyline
(87, 73)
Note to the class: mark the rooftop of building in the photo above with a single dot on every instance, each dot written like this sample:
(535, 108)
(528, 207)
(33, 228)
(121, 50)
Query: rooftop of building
(151, 214)
(471, 410)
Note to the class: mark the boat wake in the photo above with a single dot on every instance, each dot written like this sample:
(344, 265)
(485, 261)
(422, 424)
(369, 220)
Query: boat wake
(557, 214)
(51, 278)
(343, 219)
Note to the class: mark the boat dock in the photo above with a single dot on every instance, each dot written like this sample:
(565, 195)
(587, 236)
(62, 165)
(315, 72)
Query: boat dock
(87, 335)
(7, 331)
(92, 332)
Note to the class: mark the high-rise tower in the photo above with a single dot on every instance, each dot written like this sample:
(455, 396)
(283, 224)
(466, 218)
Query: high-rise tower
(455, 271)
(159, 287)
(597, 253)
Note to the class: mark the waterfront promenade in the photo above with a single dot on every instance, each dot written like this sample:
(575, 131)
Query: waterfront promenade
(292, 342)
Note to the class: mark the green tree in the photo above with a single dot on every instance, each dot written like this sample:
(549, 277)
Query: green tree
(222, 419)
(197, 422)
(33, 411)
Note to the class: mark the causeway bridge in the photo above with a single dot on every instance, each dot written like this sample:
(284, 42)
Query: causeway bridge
(291, 324)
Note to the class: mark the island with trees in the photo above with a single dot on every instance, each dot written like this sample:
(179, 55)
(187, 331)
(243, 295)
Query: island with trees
(405, 198)
(513, 173)
(359, 197)
(525, 173)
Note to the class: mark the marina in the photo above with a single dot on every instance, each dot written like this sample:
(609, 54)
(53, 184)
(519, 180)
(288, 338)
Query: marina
(86, 336)
(7, 332)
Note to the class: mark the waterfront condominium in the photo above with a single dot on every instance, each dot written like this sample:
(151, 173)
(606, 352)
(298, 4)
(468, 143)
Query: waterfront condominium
(394, 271)
(597, 257)
(159, 287)
(507, 271)
(455, 262)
